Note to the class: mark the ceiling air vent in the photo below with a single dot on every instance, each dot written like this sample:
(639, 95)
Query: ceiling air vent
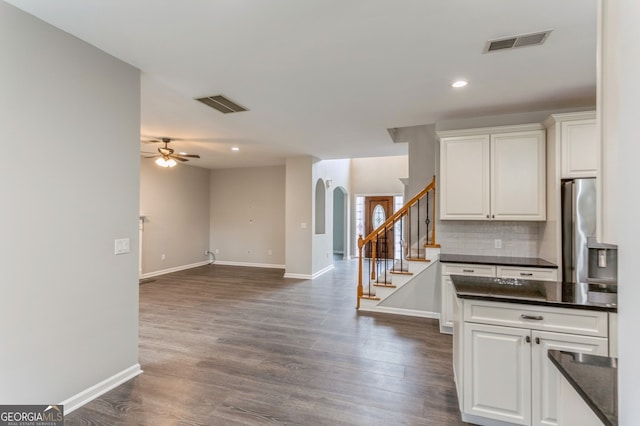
(222, 104)
(513, 42)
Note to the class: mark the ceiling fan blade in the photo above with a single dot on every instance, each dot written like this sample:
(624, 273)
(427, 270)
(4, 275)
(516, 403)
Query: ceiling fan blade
(190, 155)
(150, 141)
(150, 156)
(177, 157)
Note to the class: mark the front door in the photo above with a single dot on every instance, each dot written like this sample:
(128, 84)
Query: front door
(376, 211)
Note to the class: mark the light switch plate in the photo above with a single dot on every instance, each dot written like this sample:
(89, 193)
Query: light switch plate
(122, 246)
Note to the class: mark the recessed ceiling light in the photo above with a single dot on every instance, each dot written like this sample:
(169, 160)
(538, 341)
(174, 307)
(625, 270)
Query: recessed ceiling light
(235, 148)
(459, 83)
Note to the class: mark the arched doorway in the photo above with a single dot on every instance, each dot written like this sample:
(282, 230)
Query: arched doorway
(340, 223)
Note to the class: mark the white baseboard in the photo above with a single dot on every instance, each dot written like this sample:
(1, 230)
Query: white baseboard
(322, 271)
(400, 311)
(176, 269)
(298, 276)
(248, 264)
(89, 394)
(307, 276)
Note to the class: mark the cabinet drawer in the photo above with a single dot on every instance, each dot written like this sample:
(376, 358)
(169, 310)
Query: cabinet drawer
(468, 269)
(561, 320)
(543, 274)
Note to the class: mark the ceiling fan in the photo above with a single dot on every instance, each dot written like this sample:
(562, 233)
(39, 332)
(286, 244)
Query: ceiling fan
(165, 156)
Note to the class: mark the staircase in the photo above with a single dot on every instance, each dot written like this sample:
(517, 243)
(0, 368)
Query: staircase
(384, 271)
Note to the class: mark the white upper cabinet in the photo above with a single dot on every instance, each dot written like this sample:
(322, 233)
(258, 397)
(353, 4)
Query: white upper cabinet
(493, 174)
(518, 176)
(464, 177)
(579, 142)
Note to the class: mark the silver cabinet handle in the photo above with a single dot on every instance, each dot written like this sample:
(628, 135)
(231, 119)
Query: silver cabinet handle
(467, 270)
(532, 317)
(526, 274)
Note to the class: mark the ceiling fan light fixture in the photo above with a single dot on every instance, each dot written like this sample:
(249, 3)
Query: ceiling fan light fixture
(163, 162)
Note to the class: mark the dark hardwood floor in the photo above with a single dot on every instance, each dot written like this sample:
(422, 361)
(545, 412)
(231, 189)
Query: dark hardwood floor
(227, 345)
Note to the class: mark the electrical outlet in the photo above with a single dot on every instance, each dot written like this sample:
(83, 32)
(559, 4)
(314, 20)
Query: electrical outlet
(270, 252)
(217, 251)
(163, 257)
(497, 243)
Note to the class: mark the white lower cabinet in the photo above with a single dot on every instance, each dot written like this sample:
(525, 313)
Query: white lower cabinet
(497, 373)
(447, 293)
(505, 374)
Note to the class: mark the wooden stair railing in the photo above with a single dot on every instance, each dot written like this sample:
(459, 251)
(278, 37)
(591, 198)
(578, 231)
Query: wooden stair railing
(407, 223)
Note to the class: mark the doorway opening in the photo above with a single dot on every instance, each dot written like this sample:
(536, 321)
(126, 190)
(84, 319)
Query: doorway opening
(375, 209)
(340, 223)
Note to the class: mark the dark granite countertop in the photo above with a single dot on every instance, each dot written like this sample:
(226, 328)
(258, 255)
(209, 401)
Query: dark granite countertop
(595, 378)
(530, 262)
(534, 292)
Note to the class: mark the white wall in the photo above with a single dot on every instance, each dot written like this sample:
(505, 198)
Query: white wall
(248, 216)
(379, 175)
(70, 120)
(338, 171)
(627, 207)
(175, 202)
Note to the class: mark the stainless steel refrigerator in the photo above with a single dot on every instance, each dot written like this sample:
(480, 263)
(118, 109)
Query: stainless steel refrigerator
(578, 225)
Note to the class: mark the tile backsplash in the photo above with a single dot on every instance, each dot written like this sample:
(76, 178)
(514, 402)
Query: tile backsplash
(519, 239)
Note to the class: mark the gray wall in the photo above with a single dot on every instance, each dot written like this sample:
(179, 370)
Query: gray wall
(248, 215)
(70, 120)
(298, 216)
(176, 203)
(421, 141)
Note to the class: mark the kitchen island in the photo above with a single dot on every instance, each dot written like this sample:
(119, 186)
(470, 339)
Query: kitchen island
(595, 380)
(503, 328)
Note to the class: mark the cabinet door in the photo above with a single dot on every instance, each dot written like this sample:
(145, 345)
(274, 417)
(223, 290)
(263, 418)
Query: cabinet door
(497, 373)
(545, 378)
(446, 302)
(518, 178)
(464, 177)
(579, 148)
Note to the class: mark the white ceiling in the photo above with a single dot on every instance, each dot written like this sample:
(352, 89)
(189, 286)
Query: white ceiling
(327, 77)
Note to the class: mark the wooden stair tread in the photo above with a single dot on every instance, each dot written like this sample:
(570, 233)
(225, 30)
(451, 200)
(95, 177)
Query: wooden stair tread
(391, 271)
(384, 285)
(432, 245)
(418, 259)
(364, 296)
